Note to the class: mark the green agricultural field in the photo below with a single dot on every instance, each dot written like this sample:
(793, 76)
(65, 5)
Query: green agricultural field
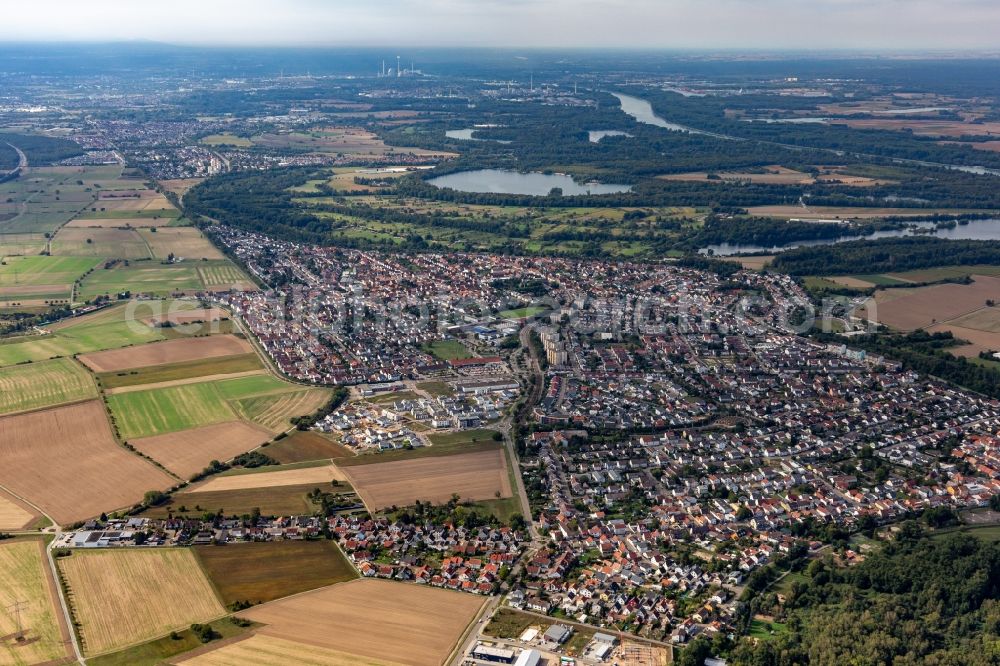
(145, 277)
(158, 411)
(250, 387)
(169, 409)
(878, 280)
(262, 572)
(186, 370)
(36, 385)
(89, 334)
(16, 271)
(220, 273)
(447, 350)
(75, 341)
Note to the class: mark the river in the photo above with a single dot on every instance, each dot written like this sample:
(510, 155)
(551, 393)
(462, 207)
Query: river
(643, 112)
(501, 181)
(974, 230)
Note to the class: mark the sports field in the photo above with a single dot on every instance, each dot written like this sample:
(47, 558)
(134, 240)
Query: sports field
(44, 384)
(125, 596)
(473, 476)
(66, 461)
(25, 579)
(263, 571)
(377, 619)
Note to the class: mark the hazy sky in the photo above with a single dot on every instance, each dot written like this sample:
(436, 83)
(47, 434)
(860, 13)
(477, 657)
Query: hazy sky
(769, 24)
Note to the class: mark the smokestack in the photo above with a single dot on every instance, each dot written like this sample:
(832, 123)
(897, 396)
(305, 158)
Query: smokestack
(399, 72)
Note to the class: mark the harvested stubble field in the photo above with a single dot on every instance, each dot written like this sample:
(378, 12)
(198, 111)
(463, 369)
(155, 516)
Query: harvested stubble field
(261, 650)
(45, 384)
(26, 578)
(320, 475)
(304, 445)
(102, 242)
(188, 452)
(170, 351)
(377, 619)
(14, 515)
(473, 476)
(979, 340)
(65, 461)
(193, 315)
(908, 309)
(129, 595)
(185, 242)
(264, 571)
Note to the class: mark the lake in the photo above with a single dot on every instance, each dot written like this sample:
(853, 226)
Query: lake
(597, 135)
(468, 135)
(500, 181)
(974, 230)
(643, 112)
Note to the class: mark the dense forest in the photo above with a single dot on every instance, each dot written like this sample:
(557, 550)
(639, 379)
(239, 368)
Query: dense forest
(709, 114)
(886, 255)
(42, 150)
(917, 600)
(8, 157)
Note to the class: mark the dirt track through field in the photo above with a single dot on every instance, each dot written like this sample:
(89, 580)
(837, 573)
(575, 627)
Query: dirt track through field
(170, 351)
(183, 382)
(473, 476)
(377, 619)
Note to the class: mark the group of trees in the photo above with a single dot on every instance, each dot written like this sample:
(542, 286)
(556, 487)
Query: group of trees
(885, 255)
(40, 150)
(917, 600)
